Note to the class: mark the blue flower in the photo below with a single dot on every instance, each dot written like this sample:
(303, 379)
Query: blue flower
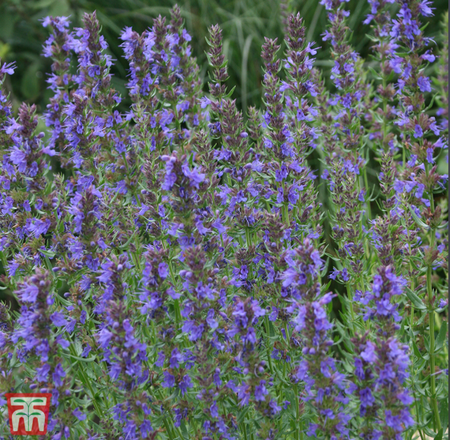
(58, 319)
(369, 353)
(261, 391)
(418, 132)
(424, 84)
(184, 384)
(169, 380)
(58, 374)
(28, 292)
(424, 8)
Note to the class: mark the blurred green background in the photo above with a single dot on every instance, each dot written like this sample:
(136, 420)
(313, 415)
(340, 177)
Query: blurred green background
(244, 23)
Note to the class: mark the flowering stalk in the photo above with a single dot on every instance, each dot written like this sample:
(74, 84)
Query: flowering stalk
(38, 334)
(381, 365)
(417, 129)
(343, 135)
(58, 46)
(325, 386)
(171, 278)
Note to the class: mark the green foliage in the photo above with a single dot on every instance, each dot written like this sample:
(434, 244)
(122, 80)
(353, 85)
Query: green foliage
(245, 23)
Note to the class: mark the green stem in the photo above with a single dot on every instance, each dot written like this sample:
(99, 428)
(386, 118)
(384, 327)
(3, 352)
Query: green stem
(269, 345)
(286, 214)
(286, 330)
(434, 405)
(169, 432)
(87, 382)
(366, 183)
(437, 420)
(245, 431)
(352, 312)
(411, 332)
(297, 414)
(248, 237)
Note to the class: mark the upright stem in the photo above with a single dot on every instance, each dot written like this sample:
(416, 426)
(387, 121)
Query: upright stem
(352, 312)
(297, 413)
(245, 431)
(437, 420)
(286, 214)
(269, 345)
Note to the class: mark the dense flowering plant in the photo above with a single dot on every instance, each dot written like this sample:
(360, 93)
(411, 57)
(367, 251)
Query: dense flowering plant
(182, 270)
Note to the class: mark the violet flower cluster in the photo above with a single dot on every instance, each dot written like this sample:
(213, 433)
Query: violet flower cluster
(184, 268)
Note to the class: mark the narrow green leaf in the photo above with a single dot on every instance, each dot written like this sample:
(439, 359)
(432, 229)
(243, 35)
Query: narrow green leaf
(418, 221)
(416, 350)
(443, 412)
(439, 434)
(242, 414)
(89, 359)
(442, 336)
(417, 302)
(47, 253)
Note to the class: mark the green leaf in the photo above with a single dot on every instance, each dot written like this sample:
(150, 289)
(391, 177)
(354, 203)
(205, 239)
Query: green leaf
(125, 246)
(242, 414)
(35, 414)
(418, 221)
(417, 302)
(89, 359)
(442, 336)
(22, 414)
(49, 254)
(416, 350)
(375, 74)
(439, 434)
(443, 412)
(443, 226)
(421, 319)
(19, 400)
(184, 430)
(78, 347)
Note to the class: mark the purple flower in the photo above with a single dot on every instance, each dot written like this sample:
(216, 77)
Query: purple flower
(169, 380)
(425, 9)
(58, 374)
(160, 361)
(79, 415)
(369, 353)
(7, 68)
(261, 391)
(418, 132)
(163, 270)
(424, 84)
(104, 337)
(405, 398)
(214, 410)
(42, 373)
(28, 292)
(243, 394)
(58, 319)
(184, 384)
(366, 397)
